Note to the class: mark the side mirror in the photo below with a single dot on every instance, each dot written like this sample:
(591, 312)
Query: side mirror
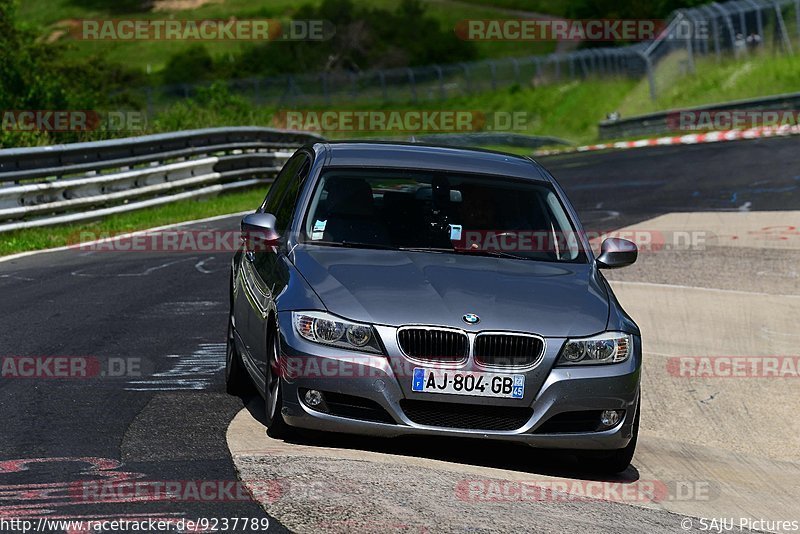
(258, 231)
(616, 253)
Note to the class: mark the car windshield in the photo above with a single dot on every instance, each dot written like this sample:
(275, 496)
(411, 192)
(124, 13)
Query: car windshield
(440, 212)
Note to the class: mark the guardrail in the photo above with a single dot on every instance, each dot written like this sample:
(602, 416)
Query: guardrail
(51, 185)
(491, 139)
(663, 121)
(479, 139)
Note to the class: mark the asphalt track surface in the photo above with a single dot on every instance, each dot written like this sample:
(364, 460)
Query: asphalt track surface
(620, 188)
(166, 312)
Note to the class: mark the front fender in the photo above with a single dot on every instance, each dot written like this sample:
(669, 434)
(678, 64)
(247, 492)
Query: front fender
(297, 293)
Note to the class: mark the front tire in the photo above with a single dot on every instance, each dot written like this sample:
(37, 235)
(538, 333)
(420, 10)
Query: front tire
(613, 462)
(237, 381)
(277, 427)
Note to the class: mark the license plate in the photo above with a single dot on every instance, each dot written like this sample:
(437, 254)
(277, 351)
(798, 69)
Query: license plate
(468, 383)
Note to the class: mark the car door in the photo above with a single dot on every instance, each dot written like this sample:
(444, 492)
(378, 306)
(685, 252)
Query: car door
(258, 266)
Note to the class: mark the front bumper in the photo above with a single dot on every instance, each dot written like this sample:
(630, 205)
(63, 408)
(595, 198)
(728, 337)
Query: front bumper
(549, 391)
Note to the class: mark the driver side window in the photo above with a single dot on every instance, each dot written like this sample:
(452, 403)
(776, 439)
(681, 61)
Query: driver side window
(283, 213)
(282, 182)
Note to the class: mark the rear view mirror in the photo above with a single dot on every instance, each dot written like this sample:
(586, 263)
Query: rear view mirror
(616, 253)
(258, 231)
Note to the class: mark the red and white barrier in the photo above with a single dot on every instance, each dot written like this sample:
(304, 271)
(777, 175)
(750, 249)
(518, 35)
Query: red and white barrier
(690, 139)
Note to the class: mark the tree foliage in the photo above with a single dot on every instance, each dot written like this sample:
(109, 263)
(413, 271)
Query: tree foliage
(626, 9)
(364, 38)
(37, 76)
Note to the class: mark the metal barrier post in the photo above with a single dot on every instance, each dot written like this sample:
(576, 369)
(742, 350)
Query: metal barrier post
(797, 16)
(651, 79)
(413, 82)
(787, 43)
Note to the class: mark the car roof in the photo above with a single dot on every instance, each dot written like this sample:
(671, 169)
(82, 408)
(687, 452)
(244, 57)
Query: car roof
(429, 157)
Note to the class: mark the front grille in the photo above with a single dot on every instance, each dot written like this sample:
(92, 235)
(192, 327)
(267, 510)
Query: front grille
(465, 416)
(434, 344)
(508, 350)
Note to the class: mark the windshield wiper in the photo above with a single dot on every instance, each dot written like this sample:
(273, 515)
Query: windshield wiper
(425, 249)
(352, 244)
(377, 246)
(489, 252)
(476, 252)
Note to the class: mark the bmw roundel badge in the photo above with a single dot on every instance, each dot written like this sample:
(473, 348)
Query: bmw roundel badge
(471, 318)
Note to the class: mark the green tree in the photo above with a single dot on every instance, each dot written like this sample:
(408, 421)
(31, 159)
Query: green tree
(364, 38)
(23, 82)
(193, 64)
(36, 76)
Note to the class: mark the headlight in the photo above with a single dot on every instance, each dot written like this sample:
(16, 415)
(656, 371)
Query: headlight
(321, 327)
(611, 347)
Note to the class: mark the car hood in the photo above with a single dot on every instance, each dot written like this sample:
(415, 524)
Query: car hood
(399, 288)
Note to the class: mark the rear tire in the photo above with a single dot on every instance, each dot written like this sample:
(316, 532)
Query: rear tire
(613, 462)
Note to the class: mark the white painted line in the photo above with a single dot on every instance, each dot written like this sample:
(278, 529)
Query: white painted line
(146, 272)
(200, 266)
(194, 372)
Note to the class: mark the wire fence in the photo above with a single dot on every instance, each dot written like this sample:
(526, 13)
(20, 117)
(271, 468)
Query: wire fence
(734, 29)
(719, 32)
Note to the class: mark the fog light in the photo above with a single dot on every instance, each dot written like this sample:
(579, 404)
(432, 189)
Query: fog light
(610, 418)
(313, 398)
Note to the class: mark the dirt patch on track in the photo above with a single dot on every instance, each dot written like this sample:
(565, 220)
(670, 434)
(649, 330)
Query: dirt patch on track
(181, 5)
